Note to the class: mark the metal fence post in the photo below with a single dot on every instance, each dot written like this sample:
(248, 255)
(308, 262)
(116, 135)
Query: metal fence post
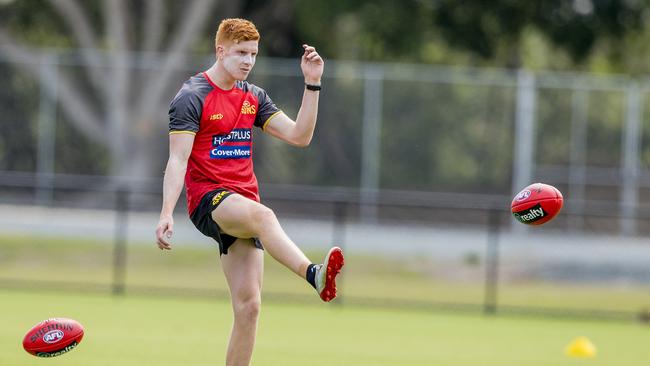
(340, 213)
(46, 133)
(371, 144)
(578, 158)
(524, 151)
(630, 161)
(119, 249)
(492, 264)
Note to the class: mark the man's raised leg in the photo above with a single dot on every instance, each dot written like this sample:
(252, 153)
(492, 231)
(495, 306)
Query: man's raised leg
(244, 218)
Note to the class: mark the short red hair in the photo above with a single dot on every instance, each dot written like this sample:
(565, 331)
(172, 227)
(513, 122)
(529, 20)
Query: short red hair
(236, 30)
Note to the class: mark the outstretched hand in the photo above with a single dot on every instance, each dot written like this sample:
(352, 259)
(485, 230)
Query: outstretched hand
(164, 232)
(312, 65)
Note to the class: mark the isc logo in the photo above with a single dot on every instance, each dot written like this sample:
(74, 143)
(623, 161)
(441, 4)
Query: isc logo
(53, 336)
(214, 117)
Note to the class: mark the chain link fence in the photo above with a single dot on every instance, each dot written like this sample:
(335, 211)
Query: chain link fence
(412, 169)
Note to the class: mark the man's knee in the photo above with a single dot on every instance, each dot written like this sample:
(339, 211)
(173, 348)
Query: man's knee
(248, 310)
(263, 216)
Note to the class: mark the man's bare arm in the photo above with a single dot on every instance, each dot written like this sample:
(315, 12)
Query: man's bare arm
(180, 147)
(301, 131)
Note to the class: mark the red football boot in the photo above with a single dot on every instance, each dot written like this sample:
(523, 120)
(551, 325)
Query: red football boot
(327, 272)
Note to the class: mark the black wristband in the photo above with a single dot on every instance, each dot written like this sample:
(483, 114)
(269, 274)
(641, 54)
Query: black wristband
(312, 87)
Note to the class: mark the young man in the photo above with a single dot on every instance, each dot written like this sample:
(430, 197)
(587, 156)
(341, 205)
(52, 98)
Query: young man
(210, 147)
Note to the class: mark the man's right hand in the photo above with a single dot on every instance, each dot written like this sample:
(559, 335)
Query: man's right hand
(164, 232)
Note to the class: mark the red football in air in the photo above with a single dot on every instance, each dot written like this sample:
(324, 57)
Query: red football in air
(53, 337)
(537, 204)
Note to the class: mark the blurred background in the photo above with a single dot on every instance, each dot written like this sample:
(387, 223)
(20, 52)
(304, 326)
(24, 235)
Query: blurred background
(433, 115)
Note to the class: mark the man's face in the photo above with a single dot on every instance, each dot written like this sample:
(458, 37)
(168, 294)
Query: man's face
(238, 59)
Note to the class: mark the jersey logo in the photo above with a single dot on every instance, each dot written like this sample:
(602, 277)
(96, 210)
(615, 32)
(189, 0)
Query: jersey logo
(231, 152)
(221, 148)
(236, 135)
(247, 108)
(215, 117)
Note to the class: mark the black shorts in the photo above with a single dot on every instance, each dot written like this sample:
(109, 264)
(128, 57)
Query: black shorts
(202, 219)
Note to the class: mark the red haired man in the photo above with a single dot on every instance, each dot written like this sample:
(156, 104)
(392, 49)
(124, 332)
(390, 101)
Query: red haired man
(210, 151)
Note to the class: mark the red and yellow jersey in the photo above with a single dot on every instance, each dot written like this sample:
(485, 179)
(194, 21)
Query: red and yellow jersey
(222, 122)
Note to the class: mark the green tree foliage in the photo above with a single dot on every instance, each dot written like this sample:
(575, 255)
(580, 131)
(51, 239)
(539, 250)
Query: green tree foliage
(575, 26)
(474, 32)
(477, 32)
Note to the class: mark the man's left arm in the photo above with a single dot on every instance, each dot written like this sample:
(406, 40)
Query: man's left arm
(301, 131)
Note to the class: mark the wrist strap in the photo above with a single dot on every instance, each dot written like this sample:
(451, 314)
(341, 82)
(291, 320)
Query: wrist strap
(312, 87)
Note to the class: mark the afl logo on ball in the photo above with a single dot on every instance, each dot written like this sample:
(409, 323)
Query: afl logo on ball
(523, 195)
(53, 336)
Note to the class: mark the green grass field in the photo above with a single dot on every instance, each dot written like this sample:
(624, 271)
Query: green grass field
(162, 331)
(197, 268)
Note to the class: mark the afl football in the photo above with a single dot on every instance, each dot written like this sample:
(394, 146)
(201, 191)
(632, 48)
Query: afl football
(53, 337)
(537, 204)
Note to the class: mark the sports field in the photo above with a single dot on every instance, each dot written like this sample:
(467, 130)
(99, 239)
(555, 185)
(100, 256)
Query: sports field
(161, 331)
(62, 263)
(175, 312)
